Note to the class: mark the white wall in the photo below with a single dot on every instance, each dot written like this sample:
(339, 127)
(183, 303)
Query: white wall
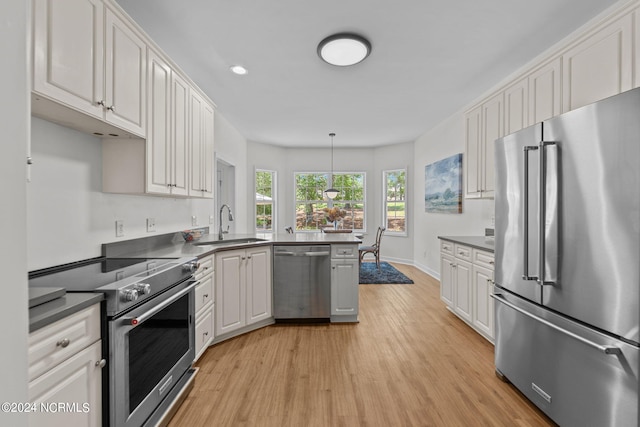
(14, 120)
(231, 147)
(443, 141)
(69, 216)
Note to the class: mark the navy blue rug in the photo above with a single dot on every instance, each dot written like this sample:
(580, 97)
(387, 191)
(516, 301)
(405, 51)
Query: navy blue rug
(369, 274)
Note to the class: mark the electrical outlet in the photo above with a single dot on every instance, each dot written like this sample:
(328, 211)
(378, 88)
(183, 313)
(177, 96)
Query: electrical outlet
(212, 219)
(151, 225)
(119, 228)
(194, 220)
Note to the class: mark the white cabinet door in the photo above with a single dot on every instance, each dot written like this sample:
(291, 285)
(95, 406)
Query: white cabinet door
(544, 92)
(492, 129)
(69, 53)
(204, 330)
(201, 138)
(344, 287)
(125, 76)
(600, 66)
(180, 135)
(516, 106)
(258, 284)
(447, 278)
(473, 150)
(463, 305)
(230, 291)
(159, 152)
(482, 283)
(78, 381)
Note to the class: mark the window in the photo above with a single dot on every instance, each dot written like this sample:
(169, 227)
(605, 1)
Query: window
(265, 201)
(311, 201)
(395, 205)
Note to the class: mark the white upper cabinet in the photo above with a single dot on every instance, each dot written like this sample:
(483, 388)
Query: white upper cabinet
(484, 125)
(89, 60)
(201, 131)
(167, 134)
(125, 78)
(599, 66)
(68, 63)
(544, 92)
(516, 107)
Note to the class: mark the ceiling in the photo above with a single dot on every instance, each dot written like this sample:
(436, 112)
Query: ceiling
(429, 59)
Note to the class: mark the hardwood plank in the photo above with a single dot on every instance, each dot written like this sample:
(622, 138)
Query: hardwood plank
(408, 362)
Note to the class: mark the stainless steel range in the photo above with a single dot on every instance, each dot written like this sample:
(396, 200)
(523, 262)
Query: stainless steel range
(149, 320)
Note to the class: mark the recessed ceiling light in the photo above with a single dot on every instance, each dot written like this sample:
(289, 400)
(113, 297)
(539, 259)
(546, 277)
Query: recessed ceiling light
(239, 70)
(344, 49)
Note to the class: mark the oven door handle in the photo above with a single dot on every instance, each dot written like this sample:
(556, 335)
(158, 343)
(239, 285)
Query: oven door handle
(134, 321)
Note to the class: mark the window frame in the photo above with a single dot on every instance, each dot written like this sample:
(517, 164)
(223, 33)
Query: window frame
(325, 200)
(274, 177)
(385, 201)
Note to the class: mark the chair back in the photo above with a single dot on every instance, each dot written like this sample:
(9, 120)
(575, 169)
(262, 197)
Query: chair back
(379, 236)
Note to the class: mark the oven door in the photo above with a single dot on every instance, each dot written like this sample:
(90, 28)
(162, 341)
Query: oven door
(151, 348)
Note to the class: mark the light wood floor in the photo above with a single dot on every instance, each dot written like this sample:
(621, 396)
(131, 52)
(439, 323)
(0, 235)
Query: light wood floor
(409, 362)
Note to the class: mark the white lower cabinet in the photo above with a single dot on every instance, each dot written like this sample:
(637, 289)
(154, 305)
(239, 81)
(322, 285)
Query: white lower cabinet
(243, 288)
(345, 270)
(466, 285)
(204, 305)
(65, 368)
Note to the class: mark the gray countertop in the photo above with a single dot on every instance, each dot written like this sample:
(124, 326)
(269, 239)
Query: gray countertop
(71, 302)
(200, 249)
(59, 308)
(478, 242)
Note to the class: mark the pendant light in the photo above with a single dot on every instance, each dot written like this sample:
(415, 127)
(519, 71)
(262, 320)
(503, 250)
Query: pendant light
(331, 192)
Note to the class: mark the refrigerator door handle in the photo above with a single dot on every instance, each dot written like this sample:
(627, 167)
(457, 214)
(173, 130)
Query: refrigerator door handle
(525, 210)
(603, 348)
(542, 204)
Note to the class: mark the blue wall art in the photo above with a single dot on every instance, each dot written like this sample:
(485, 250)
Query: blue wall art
(443, 185)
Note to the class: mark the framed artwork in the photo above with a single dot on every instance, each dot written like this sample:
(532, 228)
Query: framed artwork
(443, 185)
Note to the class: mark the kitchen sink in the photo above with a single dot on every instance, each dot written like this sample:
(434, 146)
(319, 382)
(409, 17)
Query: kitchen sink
(230, 241)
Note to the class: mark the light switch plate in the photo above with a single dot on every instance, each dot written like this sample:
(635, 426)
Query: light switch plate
(194, 220)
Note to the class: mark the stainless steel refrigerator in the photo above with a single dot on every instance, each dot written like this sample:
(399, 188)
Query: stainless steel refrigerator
(567, 247)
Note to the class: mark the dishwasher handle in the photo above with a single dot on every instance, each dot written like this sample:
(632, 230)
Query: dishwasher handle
(302, 254)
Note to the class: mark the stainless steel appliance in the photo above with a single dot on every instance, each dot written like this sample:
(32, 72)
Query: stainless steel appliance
(567, 247)
(302, 283)
(149, 345)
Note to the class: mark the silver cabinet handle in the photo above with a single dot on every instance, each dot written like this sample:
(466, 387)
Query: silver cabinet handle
(112, 108)
(101, 363)
(63, 343)
(603, 348)
(101, 103)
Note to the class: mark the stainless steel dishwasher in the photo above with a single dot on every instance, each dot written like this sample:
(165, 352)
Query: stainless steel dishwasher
(302, 283)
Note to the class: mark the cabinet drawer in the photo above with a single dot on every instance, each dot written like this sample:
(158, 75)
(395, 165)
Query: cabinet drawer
(484, 259)
(204, 292)
(206, 267)
(462, 252)
(204, 331)
(446, 247)
(344, 251)
(54, 343)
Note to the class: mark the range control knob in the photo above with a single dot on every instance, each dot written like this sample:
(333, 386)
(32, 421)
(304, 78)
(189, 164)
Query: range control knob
(142, 288)
(128, 295)
(191, 267)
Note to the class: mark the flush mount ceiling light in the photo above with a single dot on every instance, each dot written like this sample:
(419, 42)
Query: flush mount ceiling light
(331, 192)
(344, 49)
(239, 70)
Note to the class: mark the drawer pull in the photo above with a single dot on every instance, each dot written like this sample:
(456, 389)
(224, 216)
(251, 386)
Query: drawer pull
(101, 363)
(63, 343)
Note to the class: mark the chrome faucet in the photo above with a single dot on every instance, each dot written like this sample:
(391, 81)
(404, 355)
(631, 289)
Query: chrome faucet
(220, 232)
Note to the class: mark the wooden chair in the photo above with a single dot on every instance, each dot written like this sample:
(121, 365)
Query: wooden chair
(373, 249)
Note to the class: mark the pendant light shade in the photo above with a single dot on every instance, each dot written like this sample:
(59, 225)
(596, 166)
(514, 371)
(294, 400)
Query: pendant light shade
(331, 192)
